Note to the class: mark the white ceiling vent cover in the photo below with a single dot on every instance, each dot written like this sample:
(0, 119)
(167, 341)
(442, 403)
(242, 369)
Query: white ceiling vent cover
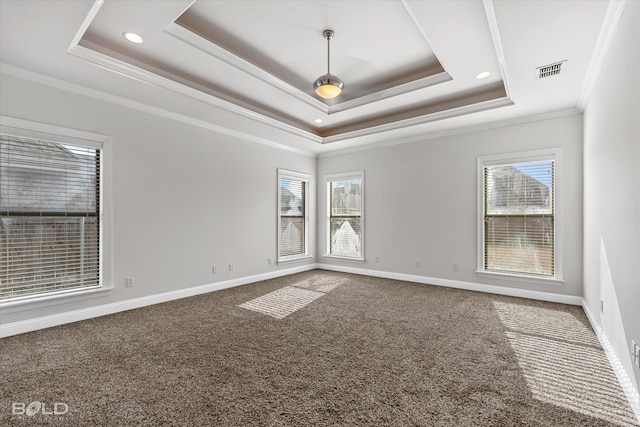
(549, 70)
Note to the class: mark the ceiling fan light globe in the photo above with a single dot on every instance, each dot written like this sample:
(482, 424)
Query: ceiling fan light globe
(328, 91)
(328, 86)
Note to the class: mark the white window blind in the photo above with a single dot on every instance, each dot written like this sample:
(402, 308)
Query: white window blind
(345, 225)
(292, 210)
(49, 217)
(519, 207)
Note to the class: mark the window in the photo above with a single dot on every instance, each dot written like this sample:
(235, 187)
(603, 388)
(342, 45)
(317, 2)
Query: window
(293, 221)
(50, 221)
(518, 215)
(345, 225)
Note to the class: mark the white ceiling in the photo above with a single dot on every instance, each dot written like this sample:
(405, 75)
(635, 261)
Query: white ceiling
(246, 68)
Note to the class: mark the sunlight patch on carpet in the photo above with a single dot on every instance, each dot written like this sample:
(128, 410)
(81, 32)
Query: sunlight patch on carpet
(545, 322)
(285, 301)
(282, 302)
(320, 283)
(563, 363)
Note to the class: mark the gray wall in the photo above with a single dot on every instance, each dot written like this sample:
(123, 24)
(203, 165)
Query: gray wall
(421, 201)
(184, 198)
(612, 192)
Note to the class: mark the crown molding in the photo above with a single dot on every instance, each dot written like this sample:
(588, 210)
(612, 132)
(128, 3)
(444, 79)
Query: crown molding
(93, 12)
(497, 43)
(456, 131)
(210, 97)
(20, 73)
(400, 89)
(427, 118)
(605, 38)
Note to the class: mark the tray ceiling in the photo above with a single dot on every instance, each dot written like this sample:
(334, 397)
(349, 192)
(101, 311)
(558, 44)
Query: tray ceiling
(263, 57)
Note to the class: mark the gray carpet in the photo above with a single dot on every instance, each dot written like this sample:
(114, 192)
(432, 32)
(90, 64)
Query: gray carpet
(319, 349)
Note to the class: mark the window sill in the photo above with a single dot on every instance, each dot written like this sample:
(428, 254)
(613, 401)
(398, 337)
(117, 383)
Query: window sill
(344, 258)
(294, 258)
(36, 302)
(553, 281)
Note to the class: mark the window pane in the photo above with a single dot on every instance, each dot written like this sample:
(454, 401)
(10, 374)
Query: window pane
(39, 176)
(292, 236)
(519, 244)
(293, 217)
(523, 188)
(292, 197)
(44, 254)
(346, 197)
(345, 237)
(49, 217)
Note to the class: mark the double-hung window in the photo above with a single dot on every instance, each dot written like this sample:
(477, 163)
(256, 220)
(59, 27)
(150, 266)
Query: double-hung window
(50, 221)
(293, 218)
(345, 219)
(518, 224)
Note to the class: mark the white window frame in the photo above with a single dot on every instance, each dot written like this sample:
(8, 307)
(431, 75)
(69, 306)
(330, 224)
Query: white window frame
(28, 129)
(306, 178)
(554, 154)
(327, 222)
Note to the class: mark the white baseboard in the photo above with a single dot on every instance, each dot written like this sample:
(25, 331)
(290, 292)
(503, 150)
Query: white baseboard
(37, 323)
(625, 382)
(491, 289)
(105, 309)
(116, 307)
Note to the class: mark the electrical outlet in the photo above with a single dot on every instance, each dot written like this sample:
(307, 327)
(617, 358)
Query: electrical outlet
(214, 269)
(230, 266)
(456, 267)
(377, 259)
(269, 260)
(129, 282)
(417, 263)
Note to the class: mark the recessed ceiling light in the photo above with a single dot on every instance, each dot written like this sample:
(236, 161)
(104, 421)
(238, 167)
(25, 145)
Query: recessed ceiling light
(318, 120)
(483, 75)
(133, 37)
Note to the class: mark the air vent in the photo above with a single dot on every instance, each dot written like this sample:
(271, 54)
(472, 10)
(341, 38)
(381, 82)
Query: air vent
(550, 70)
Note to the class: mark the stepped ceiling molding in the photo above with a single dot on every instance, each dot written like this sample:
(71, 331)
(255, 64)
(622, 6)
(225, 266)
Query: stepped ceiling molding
(409, 66)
